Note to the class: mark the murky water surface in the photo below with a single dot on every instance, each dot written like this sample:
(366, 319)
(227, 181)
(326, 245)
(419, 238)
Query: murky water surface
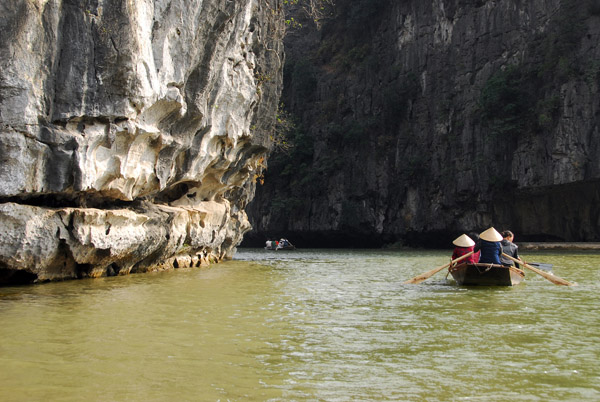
(307, 325)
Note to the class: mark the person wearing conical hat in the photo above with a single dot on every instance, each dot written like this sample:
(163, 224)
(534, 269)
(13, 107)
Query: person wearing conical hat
(490, 246)
(464, 244)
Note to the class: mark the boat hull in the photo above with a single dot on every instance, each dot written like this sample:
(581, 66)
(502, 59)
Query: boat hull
(286, 248)
(469, 274)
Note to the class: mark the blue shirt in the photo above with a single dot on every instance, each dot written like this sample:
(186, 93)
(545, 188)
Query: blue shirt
(490, 251)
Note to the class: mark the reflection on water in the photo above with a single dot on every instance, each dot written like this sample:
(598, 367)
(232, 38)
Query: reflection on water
(331, 325)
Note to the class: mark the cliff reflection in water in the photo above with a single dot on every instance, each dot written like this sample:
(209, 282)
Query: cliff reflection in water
(304, 325)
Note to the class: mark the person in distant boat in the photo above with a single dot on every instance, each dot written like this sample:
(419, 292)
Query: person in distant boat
(271, 244)
(509, 248)
(464, 244)
(490, 246)
(284, 244)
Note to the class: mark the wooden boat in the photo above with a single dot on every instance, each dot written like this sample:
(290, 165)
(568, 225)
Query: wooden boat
(470, 274)
(279, 245)
(284, 248)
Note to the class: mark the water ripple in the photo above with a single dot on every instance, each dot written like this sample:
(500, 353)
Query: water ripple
(330, 325)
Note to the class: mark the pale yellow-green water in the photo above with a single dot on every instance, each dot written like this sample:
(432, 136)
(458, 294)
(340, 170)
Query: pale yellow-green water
(307, 325)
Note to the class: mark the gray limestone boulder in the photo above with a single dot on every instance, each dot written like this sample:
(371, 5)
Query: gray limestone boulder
(131, 133)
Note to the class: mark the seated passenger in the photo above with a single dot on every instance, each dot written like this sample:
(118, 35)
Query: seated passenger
(490, 246)
(509, 248)
(464, 244)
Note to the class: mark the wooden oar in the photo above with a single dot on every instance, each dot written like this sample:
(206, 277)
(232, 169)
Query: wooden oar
(542, 265)
(428, 274)
(552, 278)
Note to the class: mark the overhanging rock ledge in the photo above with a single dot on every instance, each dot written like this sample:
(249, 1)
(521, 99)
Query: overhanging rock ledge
(131, 133)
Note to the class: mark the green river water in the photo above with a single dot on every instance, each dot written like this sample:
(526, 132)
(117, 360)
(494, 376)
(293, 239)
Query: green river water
(307, 325)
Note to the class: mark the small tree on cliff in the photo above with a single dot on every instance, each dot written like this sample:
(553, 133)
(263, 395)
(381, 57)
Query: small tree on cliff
(317, 10)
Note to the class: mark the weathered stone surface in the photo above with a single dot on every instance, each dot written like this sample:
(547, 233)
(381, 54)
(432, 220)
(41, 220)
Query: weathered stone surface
(131, 133)
(398, 143)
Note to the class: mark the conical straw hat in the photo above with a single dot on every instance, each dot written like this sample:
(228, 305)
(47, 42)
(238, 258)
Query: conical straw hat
(490, 235)
(463, 241)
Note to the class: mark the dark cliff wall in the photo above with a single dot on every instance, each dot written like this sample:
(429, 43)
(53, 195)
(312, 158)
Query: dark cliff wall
(417, 121)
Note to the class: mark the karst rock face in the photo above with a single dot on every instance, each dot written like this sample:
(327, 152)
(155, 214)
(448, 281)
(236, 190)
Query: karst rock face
(131, 132)
(422, 120)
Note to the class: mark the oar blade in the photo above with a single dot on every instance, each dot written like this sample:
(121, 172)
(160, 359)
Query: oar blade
(552, 278)
(547, 275)
(426, 275)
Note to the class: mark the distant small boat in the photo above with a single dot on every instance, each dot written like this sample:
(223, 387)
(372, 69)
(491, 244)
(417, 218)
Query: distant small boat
(481, 274)
(283, 244)
(286, 247)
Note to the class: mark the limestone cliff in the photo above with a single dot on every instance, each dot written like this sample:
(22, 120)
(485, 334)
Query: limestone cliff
(417, 121)
(131, 132)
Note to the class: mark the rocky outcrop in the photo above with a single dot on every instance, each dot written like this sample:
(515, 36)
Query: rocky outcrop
(131, 133)
(418, 121)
